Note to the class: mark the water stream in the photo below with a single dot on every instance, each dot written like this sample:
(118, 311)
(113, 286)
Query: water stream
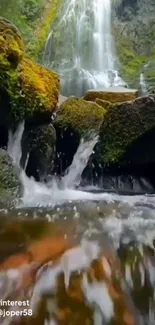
(143, 85)
(98, 224)
(81, 48)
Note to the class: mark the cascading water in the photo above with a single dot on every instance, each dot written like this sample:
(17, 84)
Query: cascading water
(60, 190)
(14, 144)
(81, 48)
(56, 191)
(143, 84)
(80, 160)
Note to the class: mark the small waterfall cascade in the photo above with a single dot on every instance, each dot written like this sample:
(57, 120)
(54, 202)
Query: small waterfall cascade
(80, 160)
(58, 190)
(80, 47)
(14, 144)
(143, 84)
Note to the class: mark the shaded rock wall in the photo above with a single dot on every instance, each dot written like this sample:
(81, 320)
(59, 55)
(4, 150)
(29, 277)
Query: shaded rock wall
(134, 32)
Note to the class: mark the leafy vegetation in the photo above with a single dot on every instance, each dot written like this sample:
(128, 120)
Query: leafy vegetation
(23, 13)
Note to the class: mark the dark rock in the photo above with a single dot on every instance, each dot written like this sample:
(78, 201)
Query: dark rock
(133, 24)
(10, 186)
(75, 118)
(39, 143)
(124, 124)
(125, 157)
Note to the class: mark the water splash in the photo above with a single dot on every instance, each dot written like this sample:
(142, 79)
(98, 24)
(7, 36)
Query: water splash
(83, 53)
(143, 84)
(14, 144)
(61, 190)
(57, 190)
(80, 160)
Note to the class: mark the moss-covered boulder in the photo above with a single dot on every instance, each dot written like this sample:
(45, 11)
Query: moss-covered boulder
(10, 186)
(123, 124)
(75, 119)
(39, 143)
(80, 115)
(11, 46)
(39, 88)
(112, 95)
(26, 88)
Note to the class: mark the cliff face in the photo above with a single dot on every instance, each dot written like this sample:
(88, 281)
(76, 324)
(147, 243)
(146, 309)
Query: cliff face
(134, 32)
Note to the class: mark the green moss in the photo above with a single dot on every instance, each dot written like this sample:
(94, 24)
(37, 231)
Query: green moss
(11, 45)
(131, 62)
(33, 90)
(40, 86)
(80, 115)
(9, 183)
(28, 88)
(123, 124)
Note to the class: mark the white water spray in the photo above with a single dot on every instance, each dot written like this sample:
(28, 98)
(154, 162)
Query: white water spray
(80, 160)
(57, 191)
(14, 144)
(87, 58)
(143, 84)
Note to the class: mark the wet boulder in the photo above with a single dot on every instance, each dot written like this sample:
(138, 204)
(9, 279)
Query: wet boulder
(38, 144)
(39, 90)
(112, 95)
(80, 115)
(10, 186)
(123, 125)
(75, 119)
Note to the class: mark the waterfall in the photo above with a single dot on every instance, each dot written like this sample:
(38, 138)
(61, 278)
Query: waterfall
(14, 144)
(80, 47)
(59, 190)
(80, 160)
(143, 84)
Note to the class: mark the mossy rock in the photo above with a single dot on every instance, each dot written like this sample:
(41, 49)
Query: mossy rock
(10, 186)
(39, 142)
(80, 115)
(11, 45)
(39, 88)
(123, 124)
(32, 91)
(112, 96)
(26, 88)
(104, 103)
